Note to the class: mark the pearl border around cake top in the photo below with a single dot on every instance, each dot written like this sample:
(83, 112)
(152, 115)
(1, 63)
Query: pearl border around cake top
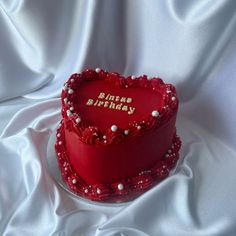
(168, 93)
(114, 128)
(155, 113)
(97, 70)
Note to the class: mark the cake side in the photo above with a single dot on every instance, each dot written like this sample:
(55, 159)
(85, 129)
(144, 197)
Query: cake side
(107, 164)
(123, 189)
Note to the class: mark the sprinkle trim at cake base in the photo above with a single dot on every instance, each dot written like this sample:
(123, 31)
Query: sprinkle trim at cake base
(122, 190)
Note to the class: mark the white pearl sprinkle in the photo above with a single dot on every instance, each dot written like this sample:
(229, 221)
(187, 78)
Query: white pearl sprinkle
(65, 100)
(69, 113)
(58, 153)
(133, 77)
(126, 86)
(104, 136)
(126, 132)
(149, 78)
(98, 191)
(168, 91)
(65, 169)
(58, 135)
(70, 91)
(169, 151)
(72, 80)
(74, 181)
(105, 141)
(173, 98)
(72, 108)
(60, 142)
(78, 120)
(167, 155)
(120, 186)
(65, 86)
(139, 127)
(114, 128)
(86, 190)
(155, 113)
(97, 70)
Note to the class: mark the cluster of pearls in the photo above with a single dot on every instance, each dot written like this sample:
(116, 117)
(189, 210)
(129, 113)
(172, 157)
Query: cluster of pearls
(120, 187)
(70, 110)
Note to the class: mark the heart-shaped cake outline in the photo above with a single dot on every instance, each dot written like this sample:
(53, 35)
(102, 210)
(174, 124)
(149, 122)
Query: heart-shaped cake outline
(92, 134)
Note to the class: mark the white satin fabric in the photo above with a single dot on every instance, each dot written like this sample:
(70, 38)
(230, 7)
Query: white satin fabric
(189, 43)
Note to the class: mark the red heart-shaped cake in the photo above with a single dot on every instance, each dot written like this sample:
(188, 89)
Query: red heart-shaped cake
(117, 135)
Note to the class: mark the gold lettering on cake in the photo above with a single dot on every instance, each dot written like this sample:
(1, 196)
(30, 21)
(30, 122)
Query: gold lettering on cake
(129, 100)
(112, 105)
(101, 95)
(125, 108)
(111, 98)
(100, 103)
(106, 104)
(119, 106)
(89, 102)
(131, 110)
(123, 99)
(112, 102)
(117, 98)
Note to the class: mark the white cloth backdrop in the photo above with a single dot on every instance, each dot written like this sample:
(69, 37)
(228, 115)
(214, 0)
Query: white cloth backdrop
(189, 43)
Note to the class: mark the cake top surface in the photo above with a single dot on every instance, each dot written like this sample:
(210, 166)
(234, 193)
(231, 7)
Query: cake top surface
(106, 108)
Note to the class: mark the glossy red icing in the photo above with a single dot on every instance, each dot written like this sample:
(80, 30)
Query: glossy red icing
(106, 117)
(94, 158)
(106, 164)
